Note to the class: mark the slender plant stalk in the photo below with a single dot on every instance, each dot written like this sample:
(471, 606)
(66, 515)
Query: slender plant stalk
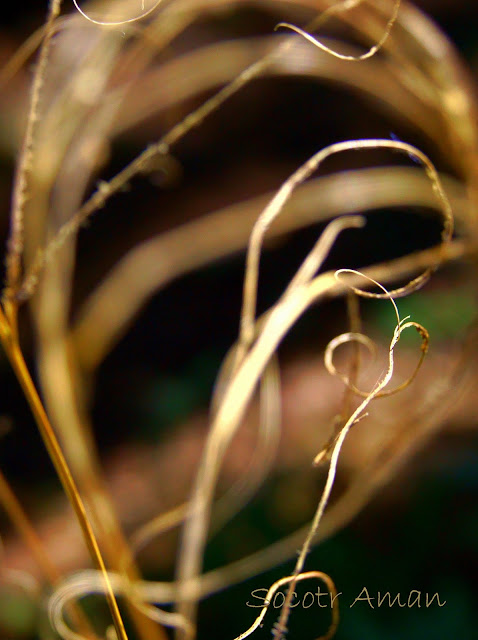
(26, 530)
(24, 168)
(19, 518)
(9, 338)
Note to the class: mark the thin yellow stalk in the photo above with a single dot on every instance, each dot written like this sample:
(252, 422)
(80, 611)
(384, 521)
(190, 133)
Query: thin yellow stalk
(8, 336)
(22, 523)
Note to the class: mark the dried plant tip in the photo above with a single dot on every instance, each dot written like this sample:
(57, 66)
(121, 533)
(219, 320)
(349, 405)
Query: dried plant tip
(338, 443)
(279, 628)
(276, 206)
(360, 338)
(371, 52)
(25, 162)
(322, 248)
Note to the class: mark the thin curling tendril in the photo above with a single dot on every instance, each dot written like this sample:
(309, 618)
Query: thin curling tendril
(276, 205)
(335, 453)
(88, 583)
(371, 52)
(161, 148)
(303, 576)
(118, 23)
(345, 338)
